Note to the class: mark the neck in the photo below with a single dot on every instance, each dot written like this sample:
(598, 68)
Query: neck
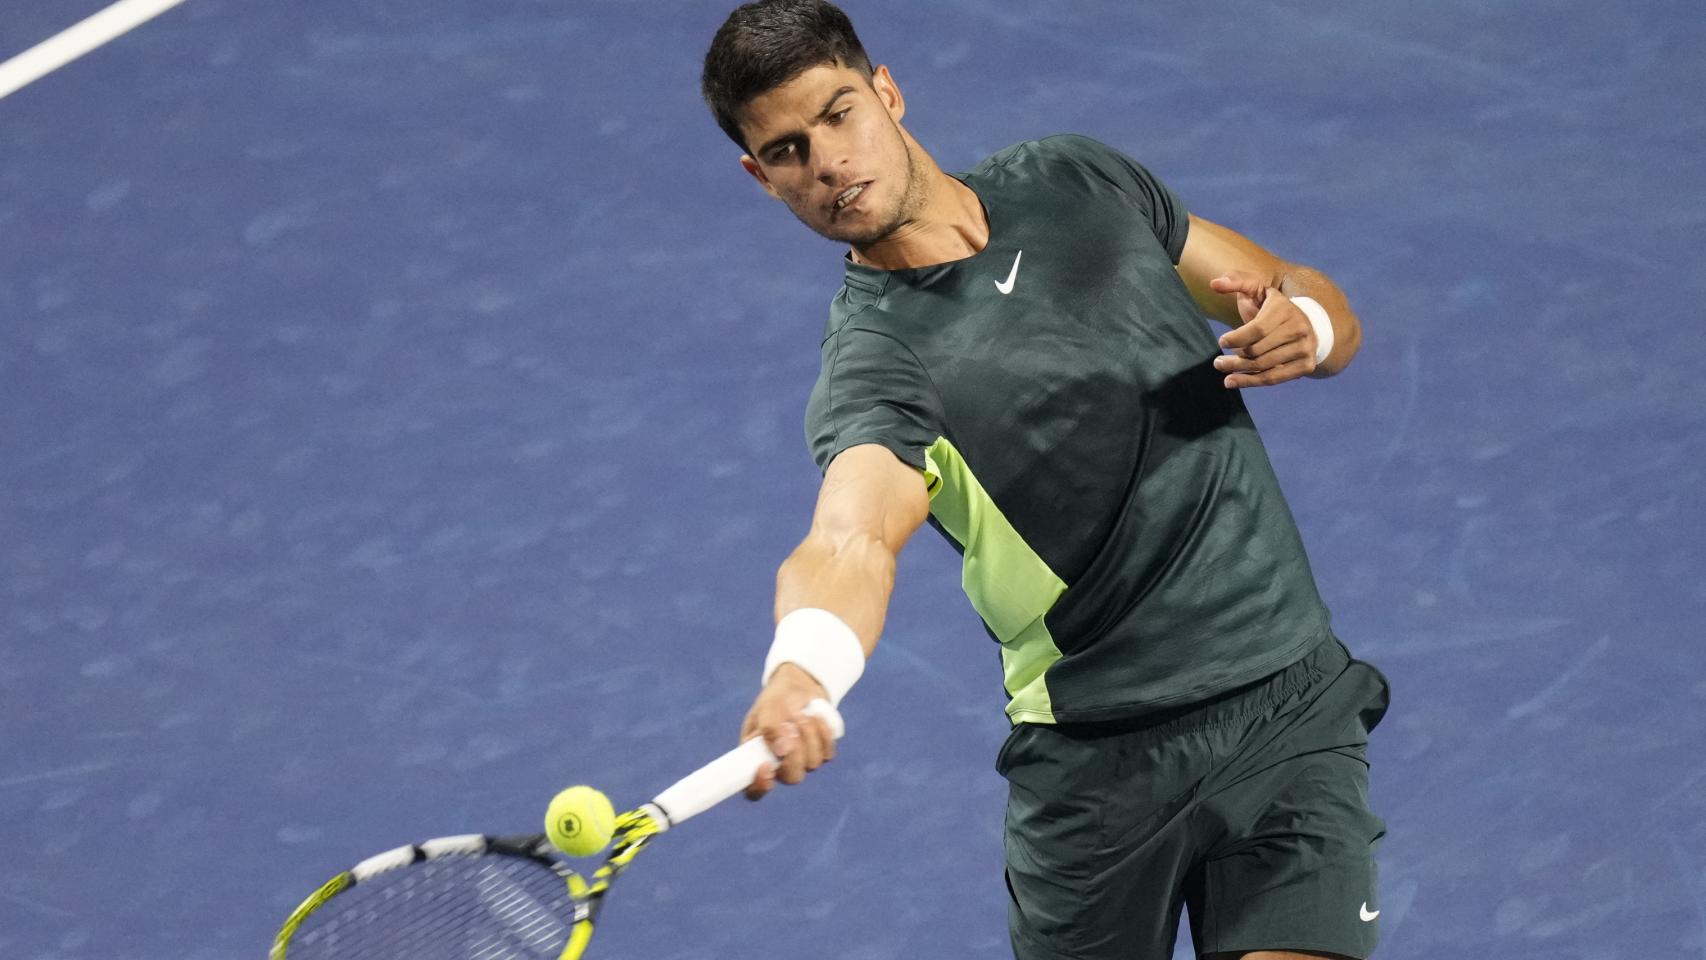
(950, 225)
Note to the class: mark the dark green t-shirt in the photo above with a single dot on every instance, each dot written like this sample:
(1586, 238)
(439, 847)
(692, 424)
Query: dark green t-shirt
(1124, 537)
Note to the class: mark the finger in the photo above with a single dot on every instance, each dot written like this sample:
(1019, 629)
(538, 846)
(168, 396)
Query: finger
(1239, 281)
(1277, 353)
(762, 782)
(815, 743)
(789, 748)
(1249, 293)
(1242, 336)
(1272, 375)
(1288, 353)
(811, 747)
(826, 737)
(1233, 363)
(1266, 353)
(783, 739)
(1278, 321)
(1278, 346)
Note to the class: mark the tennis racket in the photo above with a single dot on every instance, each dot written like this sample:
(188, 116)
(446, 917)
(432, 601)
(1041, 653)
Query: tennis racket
(478, 897)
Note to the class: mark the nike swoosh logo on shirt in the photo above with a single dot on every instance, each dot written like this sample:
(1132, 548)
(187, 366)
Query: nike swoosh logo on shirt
(1007, 287)
(1367, 914)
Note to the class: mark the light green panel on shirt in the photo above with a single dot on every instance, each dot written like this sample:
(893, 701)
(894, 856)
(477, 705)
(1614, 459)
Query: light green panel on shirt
(1011, 587)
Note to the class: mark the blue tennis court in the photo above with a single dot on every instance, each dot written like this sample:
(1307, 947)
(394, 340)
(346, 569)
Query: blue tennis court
(400, 417)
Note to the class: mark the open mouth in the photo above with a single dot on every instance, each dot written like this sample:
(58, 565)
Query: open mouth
(849, 195)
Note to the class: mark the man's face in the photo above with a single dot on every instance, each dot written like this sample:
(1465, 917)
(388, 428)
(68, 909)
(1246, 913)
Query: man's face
(828, 144)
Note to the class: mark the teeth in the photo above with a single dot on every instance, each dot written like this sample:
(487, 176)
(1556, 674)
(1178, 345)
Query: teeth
(848, 195)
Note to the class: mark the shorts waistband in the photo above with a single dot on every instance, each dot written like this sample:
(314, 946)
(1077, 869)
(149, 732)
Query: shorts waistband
(1327, 658)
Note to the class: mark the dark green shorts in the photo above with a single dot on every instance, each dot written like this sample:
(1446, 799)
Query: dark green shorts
(1250, 810)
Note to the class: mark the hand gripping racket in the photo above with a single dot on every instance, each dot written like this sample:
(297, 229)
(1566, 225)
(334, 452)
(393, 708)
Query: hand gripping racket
(478, 897)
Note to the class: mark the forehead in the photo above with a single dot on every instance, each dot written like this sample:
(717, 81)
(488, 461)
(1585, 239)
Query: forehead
(797, 102)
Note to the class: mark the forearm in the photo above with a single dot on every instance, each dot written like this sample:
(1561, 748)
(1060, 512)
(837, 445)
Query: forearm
(832, 594)
(1297, 280)
(851, 578)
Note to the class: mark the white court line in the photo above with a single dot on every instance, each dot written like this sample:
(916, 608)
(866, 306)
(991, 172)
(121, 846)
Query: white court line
(74, 41)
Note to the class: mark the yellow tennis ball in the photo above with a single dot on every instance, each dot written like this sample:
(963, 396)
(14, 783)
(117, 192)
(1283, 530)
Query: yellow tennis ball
(579, 821)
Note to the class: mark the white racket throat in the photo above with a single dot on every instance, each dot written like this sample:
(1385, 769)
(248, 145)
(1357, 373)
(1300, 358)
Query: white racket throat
(659, 816)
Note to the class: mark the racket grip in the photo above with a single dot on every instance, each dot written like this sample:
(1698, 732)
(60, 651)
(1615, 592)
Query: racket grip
(730, 773)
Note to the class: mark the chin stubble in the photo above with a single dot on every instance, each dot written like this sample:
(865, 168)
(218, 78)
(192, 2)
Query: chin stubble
(906, 208)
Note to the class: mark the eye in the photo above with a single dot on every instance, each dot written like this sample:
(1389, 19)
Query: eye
(838, 115)
(781, 153)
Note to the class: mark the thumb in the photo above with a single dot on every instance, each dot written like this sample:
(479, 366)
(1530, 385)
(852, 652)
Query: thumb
(1239, 281)
(1226, 282)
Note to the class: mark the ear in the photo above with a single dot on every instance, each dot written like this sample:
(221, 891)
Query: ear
(751, 166)
(888, 93)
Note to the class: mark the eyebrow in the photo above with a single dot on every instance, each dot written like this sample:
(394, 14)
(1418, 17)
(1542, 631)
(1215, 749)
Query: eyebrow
(828, 105)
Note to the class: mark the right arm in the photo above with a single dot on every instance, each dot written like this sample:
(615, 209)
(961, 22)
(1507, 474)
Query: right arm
(869, 506)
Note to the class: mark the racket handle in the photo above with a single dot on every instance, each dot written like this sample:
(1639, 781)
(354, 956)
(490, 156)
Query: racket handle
(729, 774)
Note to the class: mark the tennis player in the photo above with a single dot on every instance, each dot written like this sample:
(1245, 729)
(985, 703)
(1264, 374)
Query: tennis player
(1019, 355)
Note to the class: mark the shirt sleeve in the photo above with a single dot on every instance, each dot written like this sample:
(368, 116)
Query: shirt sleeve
(1159, 207)
(871, 389)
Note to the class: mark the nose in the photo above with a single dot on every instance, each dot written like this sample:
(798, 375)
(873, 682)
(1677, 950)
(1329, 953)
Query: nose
(831, 158)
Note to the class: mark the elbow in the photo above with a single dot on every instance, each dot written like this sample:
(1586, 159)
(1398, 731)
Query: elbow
(850, 551)
(863, 548)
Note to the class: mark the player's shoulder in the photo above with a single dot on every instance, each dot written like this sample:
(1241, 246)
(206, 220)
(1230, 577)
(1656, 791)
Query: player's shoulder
(860, 296)
(1067, 147)
(1068, 161)
(881, 308)
(866, 334)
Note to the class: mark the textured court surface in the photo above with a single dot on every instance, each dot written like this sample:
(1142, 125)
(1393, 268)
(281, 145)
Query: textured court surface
(400, 418)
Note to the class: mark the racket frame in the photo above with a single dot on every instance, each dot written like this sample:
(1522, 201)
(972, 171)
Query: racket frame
(688, 797)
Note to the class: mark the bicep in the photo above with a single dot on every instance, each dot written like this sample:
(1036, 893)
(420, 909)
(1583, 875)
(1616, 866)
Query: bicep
(1212, 250)
(868, 493)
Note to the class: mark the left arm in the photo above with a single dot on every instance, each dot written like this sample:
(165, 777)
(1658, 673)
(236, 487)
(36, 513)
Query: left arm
(1236, 281)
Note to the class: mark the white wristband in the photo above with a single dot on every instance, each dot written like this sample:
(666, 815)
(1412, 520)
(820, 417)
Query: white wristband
(821, 644)
(1323, 325)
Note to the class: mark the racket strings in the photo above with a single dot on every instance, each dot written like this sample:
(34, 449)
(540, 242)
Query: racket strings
(450, 908)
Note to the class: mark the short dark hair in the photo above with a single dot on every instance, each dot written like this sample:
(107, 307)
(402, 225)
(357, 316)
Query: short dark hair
(765, 44)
